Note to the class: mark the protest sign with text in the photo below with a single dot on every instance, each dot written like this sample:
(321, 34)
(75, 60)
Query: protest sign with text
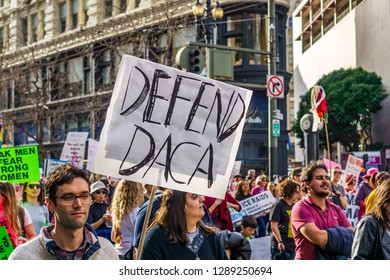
(261, 248)
(74, 148)
(253, 205)
(19, 165)
(352, 210)
(354, 165)
(171, 128)
(6, 247)
(236, 168)
(92, 149)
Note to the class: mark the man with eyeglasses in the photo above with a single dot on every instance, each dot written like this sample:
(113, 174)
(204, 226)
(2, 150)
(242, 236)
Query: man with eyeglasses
(319, 226)
(70, 238)
(337, 192)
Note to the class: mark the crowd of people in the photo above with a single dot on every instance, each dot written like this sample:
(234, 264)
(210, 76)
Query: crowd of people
(71, 215)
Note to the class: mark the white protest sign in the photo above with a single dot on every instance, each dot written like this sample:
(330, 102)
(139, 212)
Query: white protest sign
(253, 205)
(51, 164)
(352, 210)
(236, 168)
(261, 248)
(92, 149)
(354, 165)
(171, 128)
(74, 148)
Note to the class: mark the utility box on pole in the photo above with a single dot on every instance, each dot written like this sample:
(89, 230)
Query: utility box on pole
(219, 64)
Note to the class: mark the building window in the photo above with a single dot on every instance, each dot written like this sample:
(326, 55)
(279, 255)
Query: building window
(257, 37)
(62, 17)
(69, 123)
(104, 70)
(123, 6)
(87, 75)
(234, 23)
(25, 133)
(246, 30)
(24, 31)
(108, 8)
(85, 10)
(2, 39)
(236, 41)
(57, 130)
(59, 82)
(34, 27)
(75, 13)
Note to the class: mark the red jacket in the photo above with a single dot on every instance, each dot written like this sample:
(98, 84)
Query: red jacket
(221, 214)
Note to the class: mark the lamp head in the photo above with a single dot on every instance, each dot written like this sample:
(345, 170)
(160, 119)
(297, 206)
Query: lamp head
(198, 9)
(217, 12)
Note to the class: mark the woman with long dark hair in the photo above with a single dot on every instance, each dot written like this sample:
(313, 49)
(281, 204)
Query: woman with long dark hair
(177, 232)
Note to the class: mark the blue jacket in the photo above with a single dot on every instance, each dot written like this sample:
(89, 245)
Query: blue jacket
(339, 244)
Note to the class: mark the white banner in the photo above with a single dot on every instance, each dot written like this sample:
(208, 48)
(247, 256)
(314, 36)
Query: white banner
(92, 149)
(171, 128)
(253, 205)
(74, 148)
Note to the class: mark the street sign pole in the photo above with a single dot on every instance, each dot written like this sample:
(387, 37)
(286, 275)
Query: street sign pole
(272, 103)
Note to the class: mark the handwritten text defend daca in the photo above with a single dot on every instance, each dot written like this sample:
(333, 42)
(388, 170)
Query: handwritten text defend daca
(227, 120)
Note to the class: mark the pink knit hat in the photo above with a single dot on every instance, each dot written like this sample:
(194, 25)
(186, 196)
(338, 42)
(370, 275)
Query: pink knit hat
(370, 172)
(349, 178)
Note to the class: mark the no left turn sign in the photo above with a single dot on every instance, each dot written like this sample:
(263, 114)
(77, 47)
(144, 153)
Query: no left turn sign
(275, 86)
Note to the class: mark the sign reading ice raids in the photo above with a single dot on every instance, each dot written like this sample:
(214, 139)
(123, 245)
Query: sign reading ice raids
(19, 165)
(171, 128)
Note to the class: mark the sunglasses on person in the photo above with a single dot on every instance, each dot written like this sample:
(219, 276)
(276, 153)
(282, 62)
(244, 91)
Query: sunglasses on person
(101, 192)
(338, 172)
(31, 186)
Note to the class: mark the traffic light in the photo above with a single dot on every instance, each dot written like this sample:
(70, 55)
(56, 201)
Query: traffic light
(191, 58)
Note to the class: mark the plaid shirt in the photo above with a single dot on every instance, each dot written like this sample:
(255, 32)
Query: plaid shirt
(61, 254)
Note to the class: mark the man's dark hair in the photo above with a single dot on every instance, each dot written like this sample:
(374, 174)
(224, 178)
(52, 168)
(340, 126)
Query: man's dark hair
(64, 174)
(249, 221)
(297, 171)
(307, 172)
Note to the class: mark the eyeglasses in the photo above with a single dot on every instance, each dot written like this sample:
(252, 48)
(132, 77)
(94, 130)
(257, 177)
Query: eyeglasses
(31, 186)
(100, 192)
(69, 198)
(338, 172)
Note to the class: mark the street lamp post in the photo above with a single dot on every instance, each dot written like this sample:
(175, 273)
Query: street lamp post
(272, 103)
(205, 19)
